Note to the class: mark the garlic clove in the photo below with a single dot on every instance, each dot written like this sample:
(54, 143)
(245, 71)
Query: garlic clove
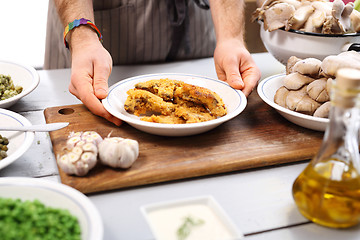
(90, 147)
(73, 157)
(77, 150)
(72, 141)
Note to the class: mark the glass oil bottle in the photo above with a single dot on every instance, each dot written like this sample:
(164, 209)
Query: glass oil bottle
(327, 192)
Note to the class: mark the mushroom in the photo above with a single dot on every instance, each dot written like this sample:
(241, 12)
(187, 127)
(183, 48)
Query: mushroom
(277, 16)
(316, 20)
(332, 63)
(355, 21)
(290, 64)
(299, 101)
(295, 81)
(323, 111)
(280, 96)
(339, 22)
(317, 90)
(308, 66)
(300, 16)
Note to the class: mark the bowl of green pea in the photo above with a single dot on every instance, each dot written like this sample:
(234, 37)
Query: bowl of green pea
(16, 81)
(32, 208)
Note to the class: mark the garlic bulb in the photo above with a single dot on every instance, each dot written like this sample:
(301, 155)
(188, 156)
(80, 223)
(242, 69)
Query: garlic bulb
(80, 153)
(79, 160)
(118, 152)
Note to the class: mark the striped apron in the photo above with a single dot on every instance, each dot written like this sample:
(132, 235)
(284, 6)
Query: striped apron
(141, 31)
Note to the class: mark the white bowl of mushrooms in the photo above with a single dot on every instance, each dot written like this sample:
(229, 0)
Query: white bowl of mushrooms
(267, 89)
(308, 28)
(302, 95)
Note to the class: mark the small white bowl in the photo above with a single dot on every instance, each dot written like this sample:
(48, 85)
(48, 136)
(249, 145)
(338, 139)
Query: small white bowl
(21, 75)
(234, 100)
(267, 89)
(19, 142)
(56, 195)
(166, 218)
(283, 44)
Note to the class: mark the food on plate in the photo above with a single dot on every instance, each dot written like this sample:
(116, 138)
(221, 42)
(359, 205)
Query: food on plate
(33, 220)
(4, 142)
(141, 101)
(118, 152)
(317, 16)
(173, 102)
(7, 87)
(83, 149)
(308, 81)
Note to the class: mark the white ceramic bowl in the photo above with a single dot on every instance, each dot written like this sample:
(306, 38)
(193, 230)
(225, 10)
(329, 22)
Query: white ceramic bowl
(234, 100)
(283, 44)
(267, 89)
(21, 75)
(19, 142)
(56, 195)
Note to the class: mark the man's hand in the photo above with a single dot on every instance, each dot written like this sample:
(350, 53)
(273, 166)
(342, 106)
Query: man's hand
(234, 65)
(90, 69)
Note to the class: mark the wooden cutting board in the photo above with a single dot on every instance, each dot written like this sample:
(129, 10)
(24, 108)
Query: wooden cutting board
(258, 137)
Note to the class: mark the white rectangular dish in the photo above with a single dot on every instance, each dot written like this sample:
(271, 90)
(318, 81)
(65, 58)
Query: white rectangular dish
(191, 218)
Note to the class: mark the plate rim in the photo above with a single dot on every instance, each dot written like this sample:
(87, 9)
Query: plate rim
(81, 200)
(28, 139)
(271, 103)
(242, 105)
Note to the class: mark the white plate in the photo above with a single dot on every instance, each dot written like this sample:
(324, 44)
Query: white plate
(234, 100)
(21, 75)
(19, 142)
(56, 195)
(267, 89)
(165, 218)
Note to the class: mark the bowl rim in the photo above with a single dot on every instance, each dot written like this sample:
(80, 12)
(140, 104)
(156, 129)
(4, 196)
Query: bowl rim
(34, 83)
(326, 35)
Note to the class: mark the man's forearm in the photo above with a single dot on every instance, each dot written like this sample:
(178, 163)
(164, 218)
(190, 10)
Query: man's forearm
(69, 10)
(228, 18)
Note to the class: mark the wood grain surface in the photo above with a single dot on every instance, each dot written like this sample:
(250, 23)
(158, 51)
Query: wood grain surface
(258, 137)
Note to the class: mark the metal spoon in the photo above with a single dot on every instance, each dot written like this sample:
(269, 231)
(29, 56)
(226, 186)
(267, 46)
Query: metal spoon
(36, 128)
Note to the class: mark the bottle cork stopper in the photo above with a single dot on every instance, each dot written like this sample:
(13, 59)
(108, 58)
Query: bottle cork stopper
(348, 79)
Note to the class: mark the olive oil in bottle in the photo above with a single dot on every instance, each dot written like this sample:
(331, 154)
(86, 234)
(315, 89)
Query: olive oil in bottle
(327, 192)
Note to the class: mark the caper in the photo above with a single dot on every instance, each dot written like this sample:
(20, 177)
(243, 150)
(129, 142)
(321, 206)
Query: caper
(7, 87)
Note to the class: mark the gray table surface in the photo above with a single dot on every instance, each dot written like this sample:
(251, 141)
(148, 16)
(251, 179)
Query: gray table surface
(258, 201)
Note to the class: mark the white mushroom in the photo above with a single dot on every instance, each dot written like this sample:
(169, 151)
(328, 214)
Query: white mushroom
(317, 90)
(277, 16)
(295, 81)
(300, 16)
(308, 66)
(332, 63)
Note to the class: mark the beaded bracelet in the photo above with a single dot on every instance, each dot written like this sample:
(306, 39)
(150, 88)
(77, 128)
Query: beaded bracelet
(76, 23)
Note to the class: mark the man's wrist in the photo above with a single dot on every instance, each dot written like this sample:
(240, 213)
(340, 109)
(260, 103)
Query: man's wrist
(80, 35)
